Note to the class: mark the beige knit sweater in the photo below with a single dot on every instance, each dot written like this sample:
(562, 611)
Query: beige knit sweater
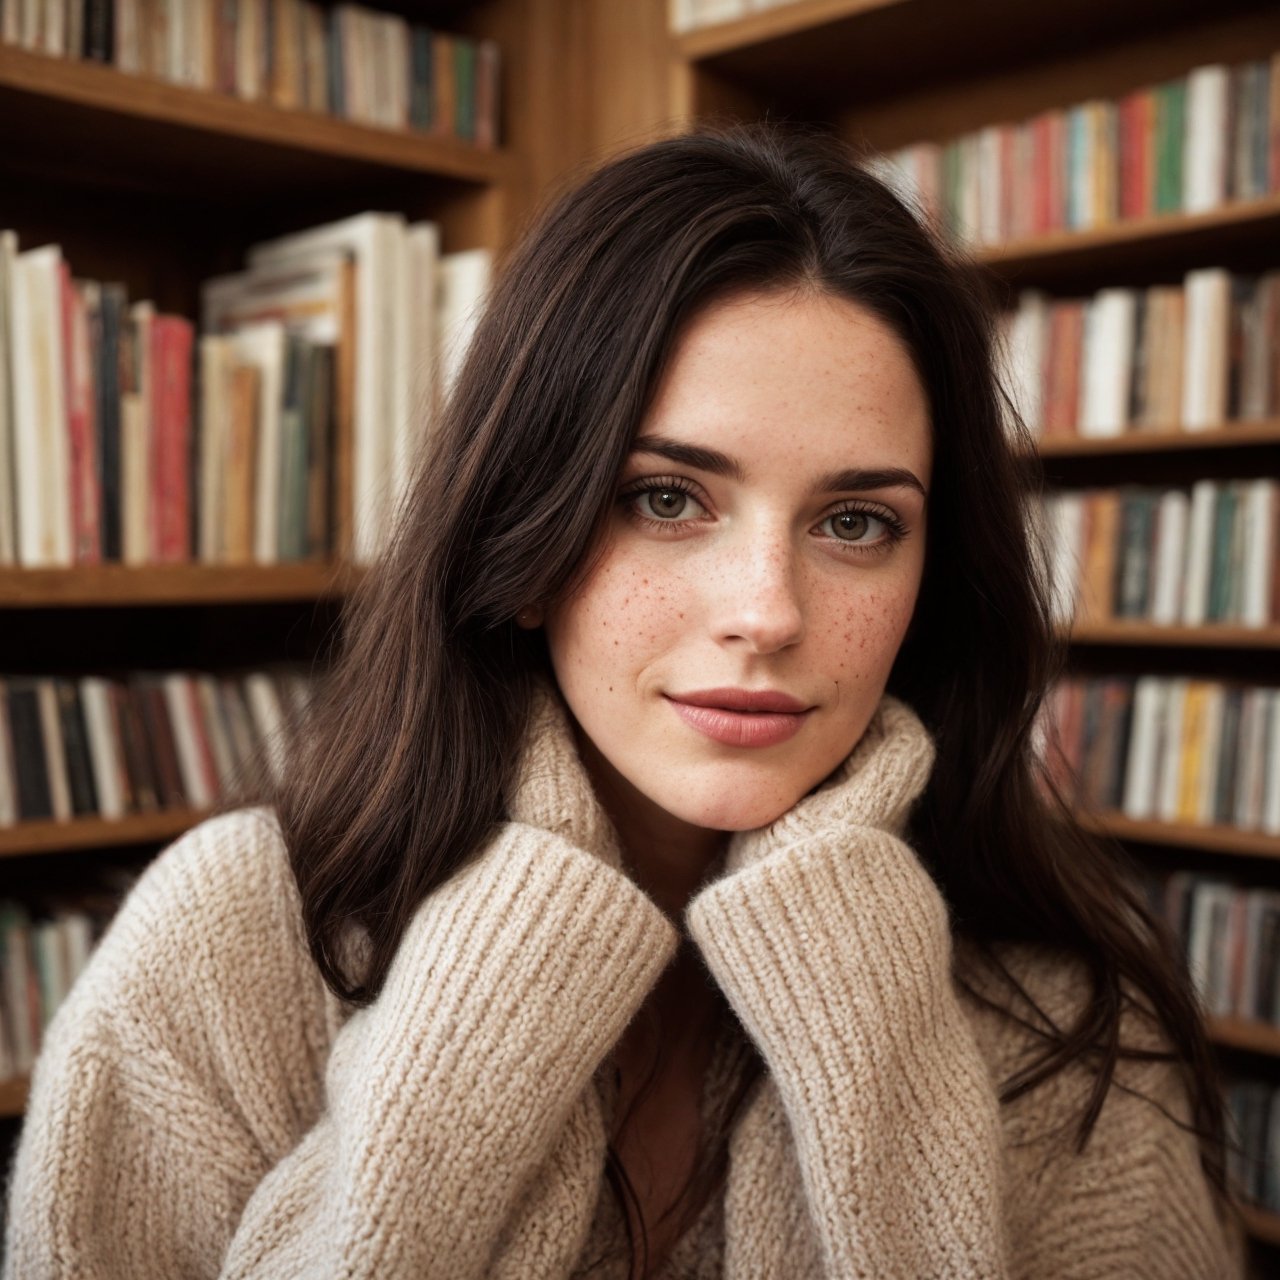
(204, 1106)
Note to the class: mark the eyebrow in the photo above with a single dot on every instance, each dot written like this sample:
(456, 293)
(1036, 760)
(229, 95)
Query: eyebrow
(721, 464)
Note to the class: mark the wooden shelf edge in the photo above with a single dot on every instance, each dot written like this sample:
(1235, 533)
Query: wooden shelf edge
(1226, 436)
(1208, 636)
(51, 836)
(1186, 835)
(105, 88)
(786, 19)
(1244, 1033)
(1162, 226)
(1261, 1223)
(118, 584)
(13, 1095)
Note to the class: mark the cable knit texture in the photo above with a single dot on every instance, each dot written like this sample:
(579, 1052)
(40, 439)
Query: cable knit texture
(205, 1107)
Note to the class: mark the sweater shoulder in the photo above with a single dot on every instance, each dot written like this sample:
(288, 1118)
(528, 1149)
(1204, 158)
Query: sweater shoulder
(206, 965)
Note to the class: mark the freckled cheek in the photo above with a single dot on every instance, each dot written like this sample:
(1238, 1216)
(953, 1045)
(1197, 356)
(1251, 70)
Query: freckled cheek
(628, 611)
(866, 632)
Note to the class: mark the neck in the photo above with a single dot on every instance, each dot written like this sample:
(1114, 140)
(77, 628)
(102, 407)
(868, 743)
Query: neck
(668, 858)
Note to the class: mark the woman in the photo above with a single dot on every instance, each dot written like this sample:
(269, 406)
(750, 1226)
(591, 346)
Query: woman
(663, 886)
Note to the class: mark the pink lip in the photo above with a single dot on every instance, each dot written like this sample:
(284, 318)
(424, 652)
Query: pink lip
(742, 700)
(747, 728)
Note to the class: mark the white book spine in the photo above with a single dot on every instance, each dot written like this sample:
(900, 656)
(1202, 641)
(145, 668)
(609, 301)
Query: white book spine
(1204, 494)
(1204, 157)
(268, 718)
(1108, 362)
(194, 783)
(1140, 768)
(1271, 769)
(8, 497)
(1261, 521)
(1170, 556)
(1205, 341)
(95, 697)
(42, 479)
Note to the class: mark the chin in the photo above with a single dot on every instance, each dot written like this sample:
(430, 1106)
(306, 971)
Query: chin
(728, 813)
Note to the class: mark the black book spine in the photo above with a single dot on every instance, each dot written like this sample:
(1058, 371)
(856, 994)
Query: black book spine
(133, 740)
(75, 743)
(34, 797)
(99, 30)
(112, 308)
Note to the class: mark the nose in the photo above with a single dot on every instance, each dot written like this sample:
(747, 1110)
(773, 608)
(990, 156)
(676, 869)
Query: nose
(760, 606)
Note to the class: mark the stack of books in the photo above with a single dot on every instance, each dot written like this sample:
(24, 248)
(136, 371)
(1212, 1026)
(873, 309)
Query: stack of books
(345, 60)
(1187, 145)
(1166, 748)
(1253, 1107)
(286, 431)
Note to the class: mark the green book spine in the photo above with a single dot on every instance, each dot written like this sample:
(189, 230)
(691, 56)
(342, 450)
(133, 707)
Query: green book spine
(1224, 513)
(464, 63)
(1171, 102)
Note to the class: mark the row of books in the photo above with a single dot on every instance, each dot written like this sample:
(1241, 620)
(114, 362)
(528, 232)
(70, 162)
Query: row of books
(44, 946)
(1166, 748)
(1189, 144)
(346, 60)
(104, 747)
(1209, 553)
(1196, 356)
(1253, 1154)
(1231, 937)
(284, 432)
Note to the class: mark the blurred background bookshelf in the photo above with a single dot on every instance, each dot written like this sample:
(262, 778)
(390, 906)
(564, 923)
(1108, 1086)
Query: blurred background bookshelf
(163, 186)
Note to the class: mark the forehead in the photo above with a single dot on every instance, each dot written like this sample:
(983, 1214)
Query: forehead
(785, 378)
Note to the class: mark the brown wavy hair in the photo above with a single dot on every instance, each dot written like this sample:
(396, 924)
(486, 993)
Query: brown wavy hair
(399, 777)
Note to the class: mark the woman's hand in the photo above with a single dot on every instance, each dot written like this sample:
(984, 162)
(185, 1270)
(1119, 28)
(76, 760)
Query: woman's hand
(551, 789)
(875, 786)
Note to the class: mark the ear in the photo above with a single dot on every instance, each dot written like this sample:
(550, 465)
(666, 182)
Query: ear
(529, 618)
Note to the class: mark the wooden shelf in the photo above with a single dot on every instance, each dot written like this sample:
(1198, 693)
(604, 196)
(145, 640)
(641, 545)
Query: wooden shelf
(1104, 247)
(1228, 436)
(13, 1096)
(155, 131)
(1185, 835)
(1261, 1224)
(96, 833)
(1209, 636)
(1244, 1033)
(828, 55)
(116, 584)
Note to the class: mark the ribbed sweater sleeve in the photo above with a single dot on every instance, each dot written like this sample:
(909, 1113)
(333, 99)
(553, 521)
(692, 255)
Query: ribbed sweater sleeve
(835, 954)
(169, 1130)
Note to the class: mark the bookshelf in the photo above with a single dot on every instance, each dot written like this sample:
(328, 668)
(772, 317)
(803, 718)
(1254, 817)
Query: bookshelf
(887, 74)
(162, 186)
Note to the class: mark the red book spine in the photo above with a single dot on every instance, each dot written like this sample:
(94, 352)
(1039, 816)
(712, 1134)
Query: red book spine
(83, 472)
(171, 347)
(1040, 175)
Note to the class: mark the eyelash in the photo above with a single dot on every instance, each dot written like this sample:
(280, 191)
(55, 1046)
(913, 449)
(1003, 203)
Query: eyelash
(897, 530)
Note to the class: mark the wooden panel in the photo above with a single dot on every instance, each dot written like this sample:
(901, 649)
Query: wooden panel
(13, 1096)
(96, 833)
(104, 122)
(1183, 835)
(1230, 436)
(1051, 72)
(1211, 635)
(116, 584)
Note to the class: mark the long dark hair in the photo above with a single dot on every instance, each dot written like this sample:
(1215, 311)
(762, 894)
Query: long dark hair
(400, 775)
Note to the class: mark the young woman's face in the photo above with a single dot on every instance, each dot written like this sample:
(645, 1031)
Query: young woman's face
(768, 538)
